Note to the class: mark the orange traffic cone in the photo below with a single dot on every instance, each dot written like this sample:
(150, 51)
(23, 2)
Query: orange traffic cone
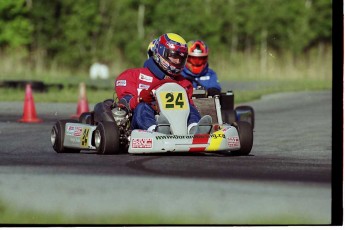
(29, 113)
(83, 105)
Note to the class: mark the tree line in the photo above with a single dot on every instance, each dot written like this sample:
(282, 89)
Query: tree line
(74, 33)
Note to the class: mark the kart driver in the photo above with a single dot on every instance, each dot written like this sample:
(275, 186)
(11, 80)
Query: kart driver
(169, 55)
(197, 69)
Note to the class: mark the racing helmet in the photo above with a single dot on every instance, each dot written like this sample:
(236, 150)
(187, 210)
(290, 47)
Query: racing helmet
(151, 47)
(197, 56)
(170, 53)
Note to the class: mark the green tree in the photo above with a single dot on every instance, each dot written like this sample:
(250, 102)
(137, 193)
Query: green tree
(15, 27)
(77, 32)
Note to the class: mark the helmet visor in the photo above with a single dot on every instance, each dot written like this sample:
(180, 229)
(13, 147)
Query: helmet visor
(197, 61)
(176, 58)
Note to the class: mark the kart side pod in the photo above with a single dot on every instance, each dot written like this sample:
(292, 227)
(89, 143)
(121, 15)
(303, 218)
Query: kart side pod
(68, 136)
(143, 141)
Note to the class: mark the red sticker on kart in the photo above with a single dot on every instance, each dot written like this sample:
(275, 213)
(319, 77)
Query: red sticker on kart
(233, 141)
(74, 131)
(142, 143)
(199, 139)
(78, 131)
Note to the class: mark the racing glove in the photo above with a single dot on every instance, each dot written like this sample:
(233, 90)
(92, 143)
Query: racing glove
(146, 96)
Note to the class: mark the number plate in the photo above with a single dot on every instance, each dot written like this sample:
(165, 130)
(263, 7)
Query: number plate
(173, 100)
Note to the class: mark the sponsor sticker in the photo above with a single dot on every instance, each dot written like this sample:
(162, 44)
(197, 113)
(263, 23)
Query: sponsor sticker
(146, 78)
(142, 143)
(205, 78)
(226, 128)
(196, 136)
(78, 131)
(70, 130)
(84, 138)
(143, 86)
(121, 83)
(233, 141)
(74, 131)
(216, 140)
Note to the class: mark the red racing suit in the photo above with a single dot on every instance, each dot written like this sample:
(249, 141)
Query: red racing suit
(132, 81)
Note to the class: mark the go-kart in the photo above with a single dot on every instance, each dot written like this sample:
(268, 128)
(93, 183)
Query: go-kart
(112, 133)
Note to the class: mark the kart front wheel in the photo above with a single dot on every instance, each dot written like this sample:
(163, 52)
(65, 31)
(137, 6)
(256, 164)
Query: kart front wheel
(245, 133)
(107, 138)
(57, 137)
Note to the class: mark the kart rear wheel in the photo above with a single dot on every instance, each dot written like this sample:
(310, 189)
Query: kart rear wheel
(107, 138)
(245, 113)
(57, 137)
(245, 133)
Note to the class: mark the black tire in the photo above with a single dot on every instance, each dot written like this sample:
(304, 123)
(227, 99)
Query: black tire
(57, 137)
(245, 133)
(107, 138)
(245, 113)
(228, 116)
(87, 118)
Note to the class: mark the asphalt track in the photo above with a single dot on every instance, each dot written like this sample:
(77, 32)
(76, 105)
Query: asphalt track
(287, 176)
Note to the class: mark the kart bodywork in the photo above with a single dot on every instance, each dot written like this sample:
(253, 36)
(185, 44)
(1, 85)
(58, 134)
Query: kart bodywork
(114, 136)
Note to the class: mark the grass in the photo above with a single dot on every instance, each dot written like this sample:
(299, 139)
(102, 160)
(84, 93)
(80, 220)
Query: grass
(282, 72)
(71, 94)
(66, 95)
(12, 216)
(282, 86)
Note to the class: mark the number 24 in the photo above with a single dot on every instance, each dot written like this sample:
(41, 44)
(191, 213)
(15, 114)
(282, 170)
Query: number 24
(171, 101)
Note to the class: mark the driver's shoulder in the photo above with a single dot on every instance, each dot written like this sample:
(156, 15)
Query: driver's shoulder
(141, 71)
(211, 72)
